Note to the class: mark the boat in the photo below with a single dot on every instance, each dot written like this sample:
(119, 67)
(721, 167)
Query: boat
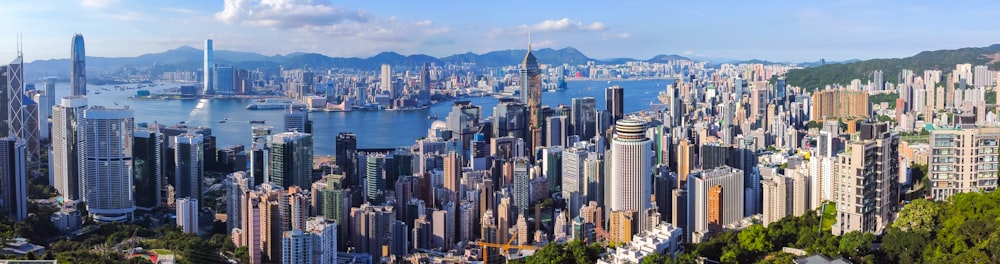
(275, 103)
(432, 117)
(256, 121)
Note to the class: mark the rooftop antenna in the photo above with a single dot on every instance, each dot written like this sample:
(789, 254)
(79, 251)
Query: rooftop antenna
(529, 38)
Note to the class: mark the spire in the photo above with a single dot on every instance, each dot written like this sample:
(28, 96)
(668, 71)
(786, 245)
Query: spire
(529, 39)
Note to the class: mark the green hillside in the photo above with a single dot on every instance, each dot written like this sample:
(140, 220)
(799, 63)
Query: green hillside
(945, 60)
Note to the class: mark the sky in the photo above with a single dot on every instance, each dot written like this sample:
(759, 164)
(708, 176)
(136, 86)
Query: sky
(785, 31)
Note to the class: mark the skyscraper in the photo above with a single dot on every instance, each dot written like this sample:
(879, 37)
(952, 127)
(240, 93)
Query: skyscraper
(224, 80)
(583, 120)
(297, 120)
(17, 113)
(107, 176)
(375, 178)
(555, 131)
(385, 78)
(147, 166)
(630, 168)
(187, 215)
(189, 172)
(346, 151)
(296, 247)
(66, 136)
(14, 178)
(324, 240)
(614, 100)
(207, 68)
(78, 67)
(531, 95)
(866, 186)
(714, 198)
(291, 159)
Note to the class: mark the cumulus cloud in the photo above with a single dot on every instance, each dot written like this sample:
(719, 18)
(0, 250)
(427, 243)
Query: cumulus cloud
(286, 13)
(565, 24)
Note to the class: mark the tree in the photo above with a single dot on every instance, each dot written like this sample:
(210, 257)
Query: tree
(856, 243)
(919, 215)
(755, 239)
(904, 246)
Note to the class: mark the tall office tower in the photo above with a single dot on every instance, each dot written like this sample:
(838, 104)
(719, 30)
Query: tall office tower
(685, 161)
(50, 91)
(630, 167)
(555, 131)
(700, 195)
(17, 112)
(573, 182)
(4, 98)
(531, 95)
(551, 163)
(14, 178)
(463, 121)
(291, 159)
(297, 120)
(479, 153)
(189, 171)
(778, 198)
(877, 81)
(296, 247)
(208, 77)
(522, 186)
(42, 117)
(78, 67)
(596, 184)
(224, 80)
(324, 240)
(504, 219)
(370, 228)
(614, 98)
(399, 242)
(66, 136)
(521, 229)
(106, 181)
(147, 166)
(510, 118)
(425, 77)
(385, 78)
(963, 160)
(259, 153)
(187, 215)
(31, 129)
(346, 155)
(870, 163)
(375, 178)
(583, 118)
(452, 177)
(781, 92)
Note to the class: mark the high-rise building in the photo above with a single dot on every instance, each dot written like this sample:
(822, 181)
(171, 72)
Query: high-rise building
(614, 97)
(297, 120)
(463, 121)
(78, 67)
(187, 215)
(510, 118)
(14, 178)
(452, 177)
(324, 240)
(296, 247)
(555, 131)
(866, 181)
(531, 95)
(44, 112)
(385, 78)
(224, 80)
(291, 159)
(778, 202)
(722, 186)
(18, 115)
(189, 171)
(375, 178)
(522, 186)
(963, 160)
(630, 167)
(208, 69)
(67, 128)
(147, 166)
(106, 181)
(835, 103)
(370, 228)
(346, 151)
(583, 118)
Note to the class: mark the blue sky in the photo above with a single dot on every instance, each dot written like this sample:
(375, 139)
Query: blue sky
(771, 30)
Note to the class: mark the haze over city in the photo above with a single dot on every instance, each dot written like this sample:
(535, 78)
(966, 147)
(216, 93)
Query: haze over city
(768, 30)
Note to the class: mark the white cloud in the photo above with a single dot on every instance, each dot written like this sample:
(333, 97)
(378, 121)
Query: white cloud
(286, 13)
(95, 3)
(565, 24)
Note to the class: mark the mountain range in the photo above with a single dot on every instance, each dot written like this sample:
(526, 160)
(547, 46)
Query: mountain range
(190, 59)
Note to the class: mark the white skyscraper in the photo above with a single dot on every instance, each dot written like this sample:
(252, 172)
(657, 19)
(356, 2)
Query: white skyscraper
(630, 169)
(107, 175)
(207, 68)
(187, 215)
(65, 158)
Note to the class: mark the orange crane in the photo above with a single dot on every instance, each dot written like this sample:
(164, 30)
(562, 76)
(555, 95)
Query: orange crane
(504, 248)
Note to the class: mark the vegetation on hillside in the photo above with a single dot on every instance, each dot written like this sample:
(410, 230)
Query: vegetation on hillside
(817, 77)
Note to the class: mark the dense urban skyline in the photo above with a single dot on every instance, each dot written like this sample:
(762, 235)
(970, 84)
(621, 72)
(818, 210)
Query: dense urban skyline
(777, 31)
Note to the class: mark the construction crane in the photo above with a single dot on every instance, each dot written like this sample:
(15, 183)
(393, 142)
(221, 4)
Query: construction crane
(504, 248)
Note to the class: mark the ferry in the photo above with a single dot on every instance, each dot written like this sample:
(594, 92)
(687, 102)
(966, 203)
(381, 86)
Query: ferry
(275, 103)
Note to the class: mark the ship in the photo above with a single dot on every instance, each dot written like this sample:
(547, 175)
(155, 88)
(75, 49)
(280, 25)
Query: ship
(275, 103)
